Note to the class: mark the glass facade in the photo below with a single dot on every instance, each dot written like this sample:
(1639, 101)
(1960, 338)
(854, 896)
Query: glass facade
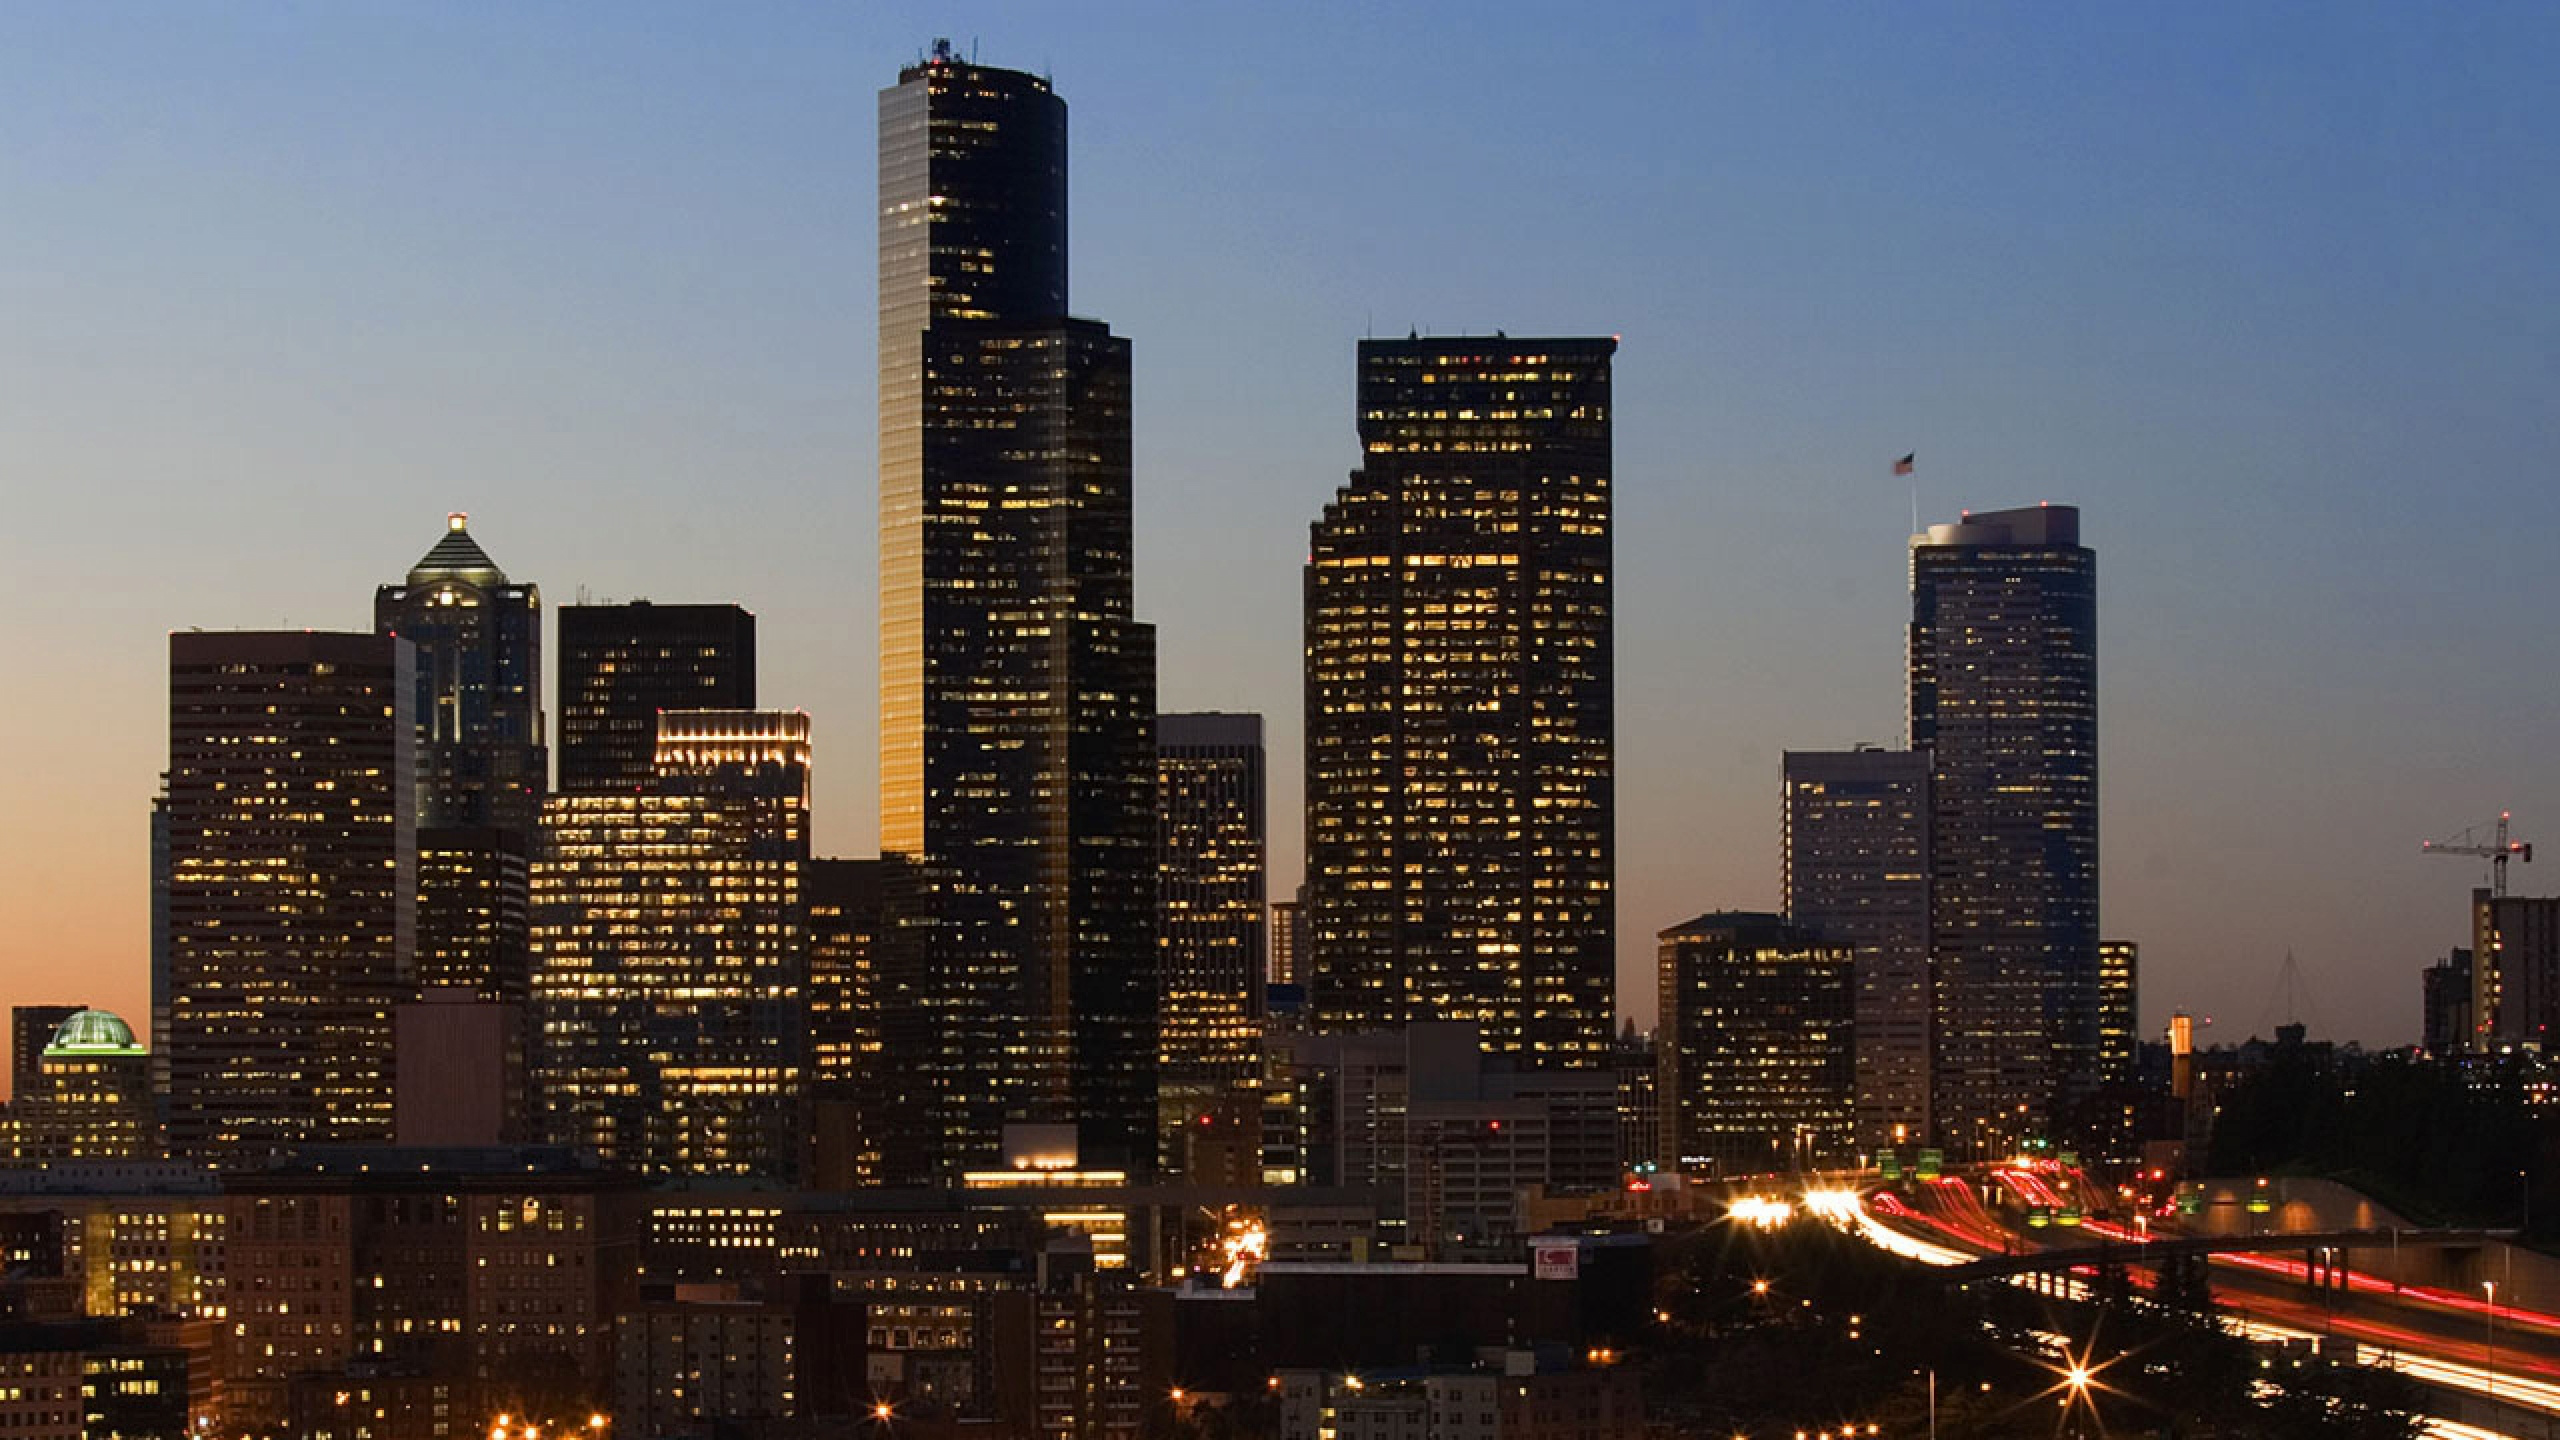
(1755, 1047)
(1210, 924)
(1459, 707)
(1017, 693)
(670, 954)
(2004, 698)
(622, 664)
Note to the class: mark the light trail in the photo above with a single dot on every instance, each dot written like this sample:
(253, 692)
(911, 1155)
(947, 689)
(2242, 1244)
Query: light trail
(2392, 1353)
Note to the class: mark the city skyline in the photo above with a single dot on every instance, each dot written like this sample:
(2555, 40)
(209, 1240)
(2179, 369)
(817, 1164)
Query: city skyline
(2231, 366)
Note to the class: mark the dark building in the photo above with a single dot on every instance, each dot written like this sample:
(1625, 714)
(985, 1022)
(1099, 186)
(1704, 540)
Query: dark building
(2004, 699)
(2448, 1004)
(861, 1106)
(486, 1280)
(1017, 691)
(1857, 873)
(1210, 917)
(1754, 1045)
(2119, 1005)
(2515, 970)
(622, 664)
(291, 885)
(78, 1379)
(670, 954)
(481, 752)
(1459, 712)
(31, 1029)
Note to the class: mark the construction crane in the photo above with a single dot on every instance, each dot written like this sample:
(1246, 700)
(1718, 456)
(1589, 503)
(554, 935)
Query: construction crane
(2497, 853)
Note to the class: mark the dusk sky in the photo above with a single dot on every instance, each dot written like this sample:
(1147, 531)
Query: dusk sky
(2272, 292)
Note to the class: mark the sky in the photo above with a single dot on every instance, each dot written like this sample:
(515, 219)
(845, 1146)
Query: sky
(2269, 290)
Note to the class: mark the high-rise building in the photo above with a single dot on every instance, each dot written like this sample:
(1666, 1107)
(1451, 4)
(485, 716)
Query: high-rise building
(2004, 698)
(90, 1098)
(1756, 1069)
(31, 1029)
(1017, 693)
(1289, 940)
(1857, 873)
(2447, 997)
(670, 956)
(622, 664)
(291, 886)
(481, 752)
(2119, 1001)
(2515, 970)
(863, 1126)
(1210, 925)
(1459, 782)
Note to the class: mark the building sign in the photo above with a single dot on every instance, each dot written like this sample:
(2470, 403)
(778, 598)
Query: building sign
(1558, 1262)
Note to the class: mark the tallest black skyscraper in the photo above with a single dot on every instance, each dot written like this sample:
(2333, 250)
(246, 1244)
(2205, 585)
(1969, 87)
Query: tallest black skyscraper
(1017, 694)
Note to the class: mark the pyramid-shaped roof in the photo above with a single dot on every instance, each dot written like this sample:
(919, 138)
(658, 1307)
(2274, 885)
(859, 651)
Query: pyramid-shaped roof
(456, 556)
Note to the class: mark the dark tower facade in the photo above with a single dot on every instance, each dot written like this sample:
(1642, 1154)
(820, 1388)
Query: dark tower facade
(481, 752)
(622, 664)
(291, 887)
(1754, 1051)
(1461, 815)
(1017, 692)
(2004, 697)
(483, 760)
(1211, 921)
(1857, 874)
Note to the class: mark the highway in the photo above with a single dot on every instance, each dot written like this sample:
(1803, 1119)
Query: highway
(2497, 1365)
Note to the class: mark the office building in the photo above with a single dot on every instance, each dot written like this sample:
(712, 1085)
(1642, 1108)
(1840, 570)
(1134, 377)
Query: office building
(1449, 1138)
(2119, 1024)
(1017, 766)
(1754, 1046)
(1857, 874)
(291, 887)
(90, 1098)
(863, 1108)
(622, 664)
(670, 957)
(1210, 917)
(2515, 971)
(1459, 712)
(2004, 700)
(482, 755)
(31, 1029)
(1289, 940)
(484, 1280)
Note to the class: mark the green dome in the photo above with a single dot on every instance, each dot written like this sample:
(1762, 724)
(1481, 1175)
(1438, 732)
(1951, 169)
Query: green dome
(93, 1032)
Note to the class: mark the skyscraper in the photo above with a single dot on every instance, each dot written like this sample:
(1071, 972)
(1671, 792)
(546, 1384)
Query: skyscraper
(1210, 928)
(481, 753)
(1857, 873)
(2119, 1004)
(670, 953)
(291, 886)
(1017, 703)
(1756, 1071)
(2004, 698)
(622, 664)
(1459, 709)
(483, 761)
